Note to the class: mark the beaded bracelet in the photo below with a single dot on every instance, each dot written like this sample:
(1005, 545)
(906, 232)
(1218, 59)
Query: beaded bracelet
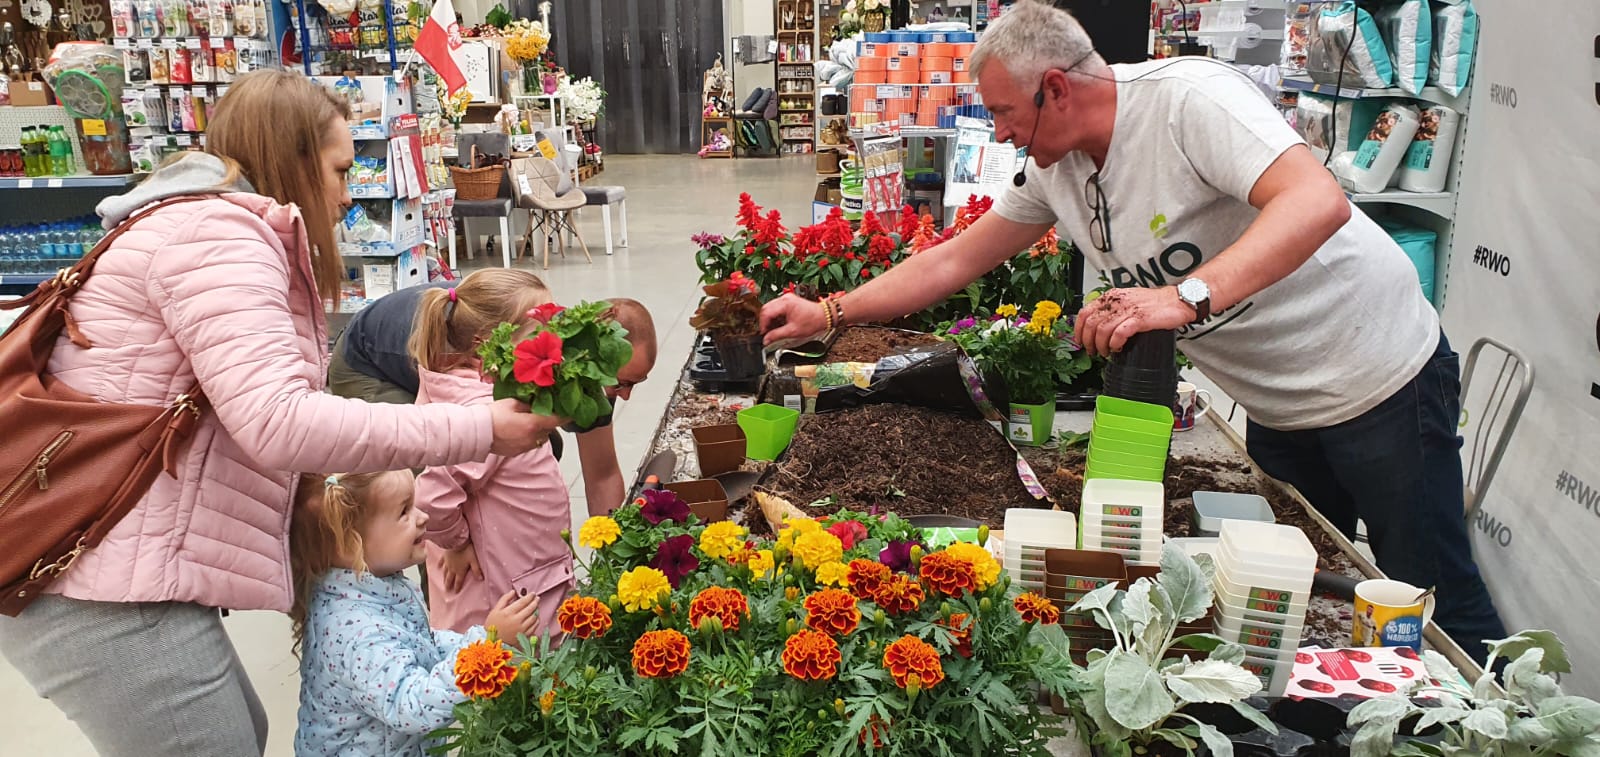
(827, 314)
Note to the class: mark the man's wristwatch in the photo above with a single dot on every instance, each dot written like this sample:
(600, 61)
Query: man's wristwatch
(1197, 295)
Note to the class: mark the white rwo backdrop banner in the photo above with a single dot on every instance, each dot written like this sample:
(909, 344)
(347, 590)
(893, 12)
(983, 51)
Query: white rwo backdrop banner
(1525, 269)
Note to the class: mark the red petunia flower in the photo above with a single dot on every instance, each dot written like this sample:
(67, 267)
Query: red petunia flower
(545, 312)
(849, 532)
(537, 358)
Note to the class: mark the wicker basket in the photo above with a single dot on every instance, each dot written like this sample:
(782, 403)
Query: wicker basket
(477, 183)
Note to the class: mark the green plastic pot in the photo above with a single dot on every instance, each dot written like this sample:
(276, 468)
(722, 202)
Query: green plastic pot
(1149, 463)
(767, 430)
(1030, 425)
(1098, 469)
(1127, 415)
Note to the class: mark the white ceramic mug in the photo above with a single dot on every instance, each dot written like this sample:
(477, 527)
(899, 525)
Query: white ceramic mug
(1189, 408)
(1390, 614)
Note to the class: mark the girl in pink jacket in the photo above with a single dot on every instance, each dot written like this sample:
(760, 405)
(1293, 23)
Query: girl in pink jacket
(228, 291)
(493, 526)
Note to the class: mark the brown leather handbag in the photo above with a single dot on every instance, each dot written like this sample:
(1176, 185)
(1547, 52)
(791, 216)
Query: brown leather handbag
(71, 466)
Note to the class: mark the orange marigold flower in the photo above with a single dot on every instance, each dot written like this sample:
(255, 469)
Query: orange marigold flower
(1036, 609)
(909, 656)
(727, 606)
(865, 576)
(547, 701)
(948, 575)
(899, 595)
(811, 656)
(960, 625)
(832, 611)
(875, 729)
(661, 654)
(484, 669)
(584, 617)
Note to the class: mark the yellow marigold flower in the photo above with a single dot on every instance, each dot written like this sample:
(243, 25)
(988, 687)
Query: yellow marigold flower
(793, 528)
(1047, 310)
(818, 548)
(761, 563)
(833, 574)
(1006, 311)
(982, 562)
(1037, 327)
(642, 587)
(721, 539)
(598, 532)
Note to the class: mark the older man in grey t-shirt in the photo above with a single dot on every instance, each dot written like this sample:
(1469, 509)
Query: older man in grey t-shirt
(1181, 181)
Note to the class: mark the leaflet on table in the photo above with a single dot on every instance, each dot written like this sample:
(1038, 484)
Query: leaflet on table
(1369, 672)
(979, 165)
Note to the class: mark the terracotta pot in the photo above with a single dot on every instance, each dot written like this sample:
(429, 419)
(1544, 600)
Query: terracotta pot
(719, 448)
(705, 497)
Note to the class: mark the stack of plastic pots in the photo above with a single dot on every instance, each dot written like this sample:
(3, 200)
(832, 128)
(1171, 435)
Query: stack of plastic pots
(1028, 534)
(1069, 575)
(1124, 517)
(1129, 440)
(1145, 369)
(1263, 583)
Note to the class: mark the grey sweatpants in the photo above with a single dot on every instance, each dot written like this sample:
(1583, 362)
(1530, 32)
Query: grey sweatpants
(140, 679)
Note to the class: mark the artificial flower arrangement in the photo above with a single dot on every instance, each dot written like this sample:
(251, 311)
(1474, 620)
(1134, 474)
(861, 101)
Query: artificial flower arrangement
(840, 636)
(1031, 353)
(560, 362)
(525, 40)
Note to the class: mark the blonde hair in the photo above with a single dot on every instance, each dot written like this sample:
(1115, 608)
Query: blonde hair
(446, 332)
(632, 315)
(325, 532)
(272, 127)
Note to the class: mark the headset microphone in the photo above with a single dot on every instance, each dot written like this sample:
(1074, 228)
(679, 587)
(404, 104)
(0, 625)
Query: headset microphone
(1038, 109)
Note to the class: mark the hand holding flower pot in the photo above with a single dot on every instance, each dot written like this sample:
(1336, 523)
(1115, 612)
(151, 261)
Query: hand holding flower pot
(560, 363)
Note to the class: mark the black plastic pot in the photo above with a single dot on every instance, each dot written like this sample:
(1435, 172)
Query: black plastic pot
(1145, 370)
(740, 353)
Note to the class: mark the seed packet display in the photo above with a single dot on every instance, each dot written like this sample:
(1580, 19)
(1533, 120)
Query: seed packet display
(221, 18)
(175, 101)
(182, 64)
(160, 66)
(199, 62)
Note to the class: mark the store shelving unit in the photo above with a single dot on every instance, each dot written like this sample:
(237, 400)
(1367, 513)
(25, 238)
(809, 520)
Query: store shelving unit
(796, 22)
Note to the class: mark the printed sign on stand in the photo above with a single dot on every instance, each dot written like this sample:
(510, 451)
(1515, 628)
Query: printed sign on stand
(979, 165)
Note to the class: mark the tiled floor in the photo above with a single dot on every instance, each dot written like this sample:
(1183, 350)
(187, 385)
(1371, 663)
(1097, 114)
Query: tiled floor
(670, 198)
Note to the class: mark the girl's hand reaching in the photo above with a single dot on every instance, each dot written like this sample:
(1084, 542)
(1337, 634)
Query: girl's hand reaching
(514, 615)
(458, 565)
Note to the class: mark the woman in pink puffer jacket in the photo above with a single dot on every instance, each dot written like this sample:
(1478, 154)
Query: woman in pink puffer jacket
(228, 291)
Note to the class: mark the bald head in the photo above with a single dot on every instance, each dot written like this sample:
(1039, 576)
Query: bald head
(632, 315)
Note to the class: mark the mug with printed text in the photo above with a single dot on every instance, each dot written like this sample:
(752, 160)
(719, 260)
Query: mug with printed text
(1390, 614)
(1189, 406)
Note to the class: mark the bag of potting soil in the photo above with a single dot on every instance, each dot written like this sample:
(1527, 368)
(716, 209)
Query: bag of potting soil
(940, 377)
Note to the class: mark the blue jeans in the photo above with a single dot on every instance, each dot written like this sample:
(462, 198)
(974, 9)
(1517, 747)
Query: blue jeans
(1398, 468)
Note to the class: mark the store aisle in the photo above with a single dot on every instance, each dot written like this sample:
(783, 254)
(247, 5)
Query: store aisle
(670, 198)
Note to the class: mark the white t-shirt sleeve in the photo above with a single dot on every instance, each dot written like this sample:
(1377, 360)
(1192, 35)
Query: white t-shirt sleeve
(1026, 204)
(1230, 133)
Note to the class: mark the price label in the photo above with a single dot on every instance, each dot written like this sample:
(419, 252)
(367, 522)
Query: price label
(193, 44)
(93, 127)
(146, 44)
(54, 183)
(24, 183)
(170, 44)
(888, 92)
(121, 44)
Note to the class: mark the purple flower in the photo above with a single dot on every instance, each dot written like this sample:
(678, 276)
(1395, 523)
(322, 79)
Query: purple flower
(966, 323)
(707, 240)
(955, 329)
(661, 504)
(676, 559)
(897, 555)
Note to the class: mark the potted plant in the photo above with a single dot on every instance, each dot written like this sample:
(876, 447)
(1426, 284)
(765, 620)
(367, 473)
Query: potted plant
(1527, 715)
(1030, 356)
(731, 313)
(1133, 698)
(560, 362)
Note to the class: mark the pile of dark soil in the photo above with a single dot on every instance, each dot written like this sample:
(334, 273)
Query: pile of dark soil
(866, 344)
(909, 460)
